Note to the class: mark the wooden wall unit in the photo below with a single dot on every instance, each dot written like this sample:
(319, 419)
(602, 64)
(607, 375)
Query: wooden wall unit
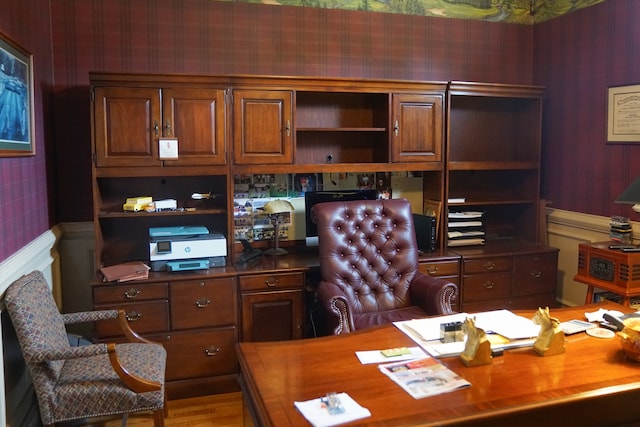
(480, 141)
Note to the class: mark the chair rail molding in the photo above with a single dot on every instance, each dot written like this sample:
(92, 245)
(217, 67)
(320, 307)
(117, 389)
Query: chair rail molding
(565, 230)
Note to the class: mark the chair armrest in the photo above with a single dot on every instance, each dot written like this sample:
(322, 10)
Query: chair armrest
(338, 313)
(134, 382)
(88, 316)
(67, 353)
(432, 294)
(93, 316)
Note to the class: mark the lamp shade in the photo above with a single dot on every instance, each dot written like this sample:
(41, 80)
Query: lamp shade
(631, 196)
(277, 206)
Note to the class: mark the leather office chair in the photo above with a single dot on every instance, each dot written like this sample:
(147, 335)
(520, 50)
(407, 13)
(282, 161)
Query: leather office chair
(85, 381)
(369, 266)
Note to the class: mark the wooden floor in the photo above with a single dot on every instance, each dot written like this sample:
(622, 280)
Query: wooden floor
(218, 410)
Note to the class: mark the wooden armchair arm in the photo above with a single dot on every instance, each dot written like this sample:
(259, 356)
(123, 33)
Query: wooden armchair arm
(131, 335)
(134, 382)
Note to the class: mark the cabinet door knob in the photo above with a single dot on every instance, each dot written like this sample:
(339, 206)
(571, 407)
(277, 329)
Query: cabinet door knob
(156, 128)
(271, 282)
(202, 302)
(536, 274)
(432, 269)
(167, 128)
(212, 350)
(287, 127)
(489, 284)
(132, 315)
(396, 128)
(489, 266)
(131, 293)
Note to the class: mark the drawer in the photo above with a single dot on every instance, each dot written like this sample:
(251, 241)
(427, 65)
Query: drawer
(484, 287)
(535, 274)
(487, 265)
(202, 303)
(435, 269)
(262, 282)
(202, 353)
(105, 294)
(143, 317)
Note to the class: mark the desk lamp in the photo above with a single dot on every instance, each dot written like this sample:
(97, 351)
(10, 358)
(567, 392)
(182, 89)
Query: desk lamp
(277, 211)
(631, 196)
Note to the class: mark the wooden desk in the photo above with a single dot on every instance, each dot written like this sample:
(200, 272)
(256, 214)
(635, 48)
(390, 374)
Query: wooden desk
(591, 384)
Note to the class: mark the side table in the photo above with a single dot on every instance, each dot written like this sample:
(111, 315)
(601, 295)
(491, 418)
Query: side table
(609, 269)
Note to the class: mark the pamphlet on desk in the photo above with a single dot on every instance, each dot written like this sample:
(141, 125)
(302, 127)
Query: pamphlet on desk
(504, 329)
(423, 377)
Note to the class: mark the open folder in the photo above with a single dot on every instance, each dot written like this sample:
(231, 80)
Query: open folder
(504, 329)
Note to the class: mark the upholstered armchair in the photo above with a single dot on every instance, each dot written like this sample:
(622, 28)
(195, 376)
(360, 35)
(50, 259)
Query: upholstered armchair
(85, 381)
(369, 266)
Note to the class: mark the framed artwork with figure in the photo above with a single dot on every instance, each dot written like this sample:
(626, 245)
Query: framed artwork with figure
(16, 100)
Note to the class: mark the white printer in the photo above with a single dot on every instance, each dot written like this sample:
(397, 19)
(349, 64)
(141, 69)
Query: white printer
(182, 248)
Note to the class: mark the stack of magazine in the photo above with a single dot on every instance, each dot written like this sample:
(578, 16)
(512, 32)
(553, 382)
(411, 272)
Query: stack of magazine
(465, 228)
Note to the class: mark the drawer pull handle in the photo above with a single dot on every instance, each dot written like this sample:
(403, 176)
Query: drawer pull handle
(489, 284)
(536, 274)
(489, 266)
(131, 293)
(212, 351)
(133, 315)
(202, 302)
(271, 282)
(432, 269)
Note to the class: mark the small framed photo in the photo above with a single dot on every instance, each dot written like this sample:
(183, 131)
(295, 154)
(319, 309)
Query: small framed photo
(16, 100)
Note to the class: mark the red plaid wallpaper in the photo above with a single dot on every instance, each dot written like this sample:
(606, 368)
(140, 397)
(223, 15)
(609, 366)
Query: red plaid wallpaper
(210, 37)
(576, 56)
(579, 56)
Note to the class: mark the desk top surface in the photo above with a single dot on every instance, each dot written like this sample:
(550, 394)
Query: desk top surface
(275, 374)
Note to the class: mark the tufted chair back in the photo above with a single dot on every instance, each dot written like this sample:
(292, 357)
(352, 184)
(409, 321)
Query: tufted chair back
(369, 263)
(86, 381)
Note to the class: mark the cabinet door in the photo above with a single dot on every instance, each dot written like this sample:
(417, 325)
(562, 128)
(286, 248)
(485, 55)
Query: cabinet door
(262, 122)
(272, 316)
(126, 126)
(196, 117)
(417, 128)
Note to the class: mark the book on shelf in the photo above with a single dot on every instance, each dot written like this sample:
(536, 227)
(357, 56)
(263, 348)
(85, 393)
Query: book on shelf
(125, 272)
(456, 199)
(465, 242)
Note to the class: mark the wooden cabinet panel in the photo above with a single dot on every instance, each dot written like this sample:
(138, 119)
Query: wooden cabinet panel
(143, 317)
(131, 292)
(439, 269)
(196, 117)
(201, 303)
(262, 127)
(272, 316)
(200, 353)
(487, 265)
(535, 274)
(484, 287)
(418, 125)
(268, 282)
(126, 123)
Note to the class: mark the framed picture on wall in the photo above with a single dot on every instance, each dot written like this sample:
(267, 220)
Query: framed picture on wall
(16, 100)
(623, 121)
